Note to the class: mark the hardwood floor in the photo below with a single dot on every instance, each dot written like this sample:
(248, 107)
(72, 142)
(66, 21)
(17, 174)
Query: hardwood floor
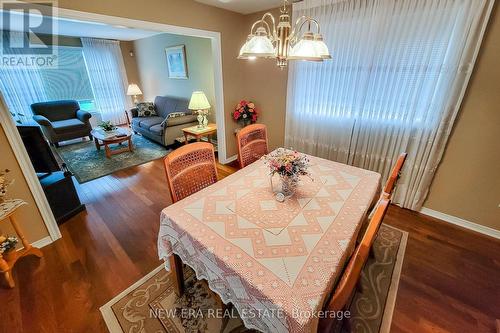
(450, 279)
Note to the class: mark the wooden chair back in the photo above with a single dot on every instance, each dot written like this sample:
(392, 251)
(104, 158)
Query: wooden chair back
(252, 143)
(352, 273)
(190, 169)
(395, 174)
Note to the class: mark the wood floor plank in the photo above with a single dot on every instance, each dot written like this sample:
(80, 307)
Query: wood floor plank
(450, 279)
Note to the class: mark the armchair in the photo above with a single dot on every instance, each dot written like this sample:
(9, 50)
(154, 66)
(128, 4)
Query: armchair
(62, 120)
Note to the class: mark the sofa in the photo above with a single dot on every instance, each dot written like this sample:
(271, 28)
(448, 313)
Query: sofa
(162, 128)
(62, 120)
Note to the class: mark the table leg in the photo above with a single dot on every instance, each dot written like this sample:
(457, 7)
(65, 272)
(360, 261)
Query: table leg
(185, 139)
(97, 145)
(28, 248)
(198, 138)
(177, 274)
(130, 146)
(4, 267)
(108, 151)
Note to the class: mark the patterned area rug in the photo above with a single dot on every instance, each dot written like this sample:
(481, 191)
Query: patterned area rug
(150, 305)
(88, 163)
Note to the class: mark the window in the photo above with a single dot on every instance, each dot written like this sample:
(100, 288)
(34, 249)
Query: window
(70, 79)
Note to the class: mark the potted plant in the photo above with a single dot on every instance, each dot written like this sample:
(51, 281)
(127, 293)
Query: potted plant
(245, 113)
(107, 126)
(7, 247)
(4, 184)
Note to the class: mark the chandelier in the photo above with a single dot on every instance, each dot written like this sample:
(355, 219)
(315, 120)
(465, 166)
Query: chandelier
(266, 40)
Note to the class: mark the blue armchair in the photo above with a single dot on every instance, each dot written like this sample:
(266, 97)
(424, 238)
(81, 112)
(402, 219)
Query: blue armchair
(62, 120)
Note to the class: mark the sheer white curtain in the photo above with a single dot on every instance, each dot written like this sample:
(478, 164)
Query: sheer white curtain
(395, 84)
(108, 78)
(20, 86)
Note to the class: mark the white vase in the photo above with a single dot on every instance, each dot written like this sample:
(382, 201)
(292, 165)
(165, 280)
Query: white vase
(200, 120)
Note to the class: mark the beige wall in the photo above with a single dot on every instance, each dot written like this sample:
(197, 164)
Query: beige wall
(130, 62)
(153, 69)
(467, 183)
(266, 86)
(29, 216)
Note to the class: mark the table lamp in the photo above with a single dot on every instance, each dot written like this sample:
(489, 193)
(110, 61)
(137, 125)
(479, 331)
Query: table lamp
(133, 90)
(199, 103)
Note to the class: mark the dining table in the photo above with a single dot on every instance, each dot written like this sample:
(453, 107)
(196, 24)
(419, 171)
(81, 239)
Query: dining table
(276, 262)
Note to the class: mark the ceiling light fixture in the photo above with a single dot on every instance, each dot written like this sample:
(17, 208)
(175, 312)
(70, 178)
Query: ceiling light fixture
(266, 40)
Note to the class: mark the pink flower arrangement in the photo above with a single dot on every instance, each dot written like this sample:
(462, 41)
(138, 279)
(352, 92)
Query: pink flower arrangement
(245, 112)
(287, 163)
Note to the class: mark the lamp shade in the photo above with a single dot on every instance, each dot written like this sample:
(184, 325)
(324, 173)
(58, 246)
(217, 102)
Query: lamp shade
(321, 47)
(133, 89)
(306, 49)
(258, 45)
(198, 101)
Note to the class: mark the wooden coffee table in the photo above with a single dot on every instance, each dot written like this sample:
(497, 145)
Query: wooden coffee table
(196, 132)
(102, 138)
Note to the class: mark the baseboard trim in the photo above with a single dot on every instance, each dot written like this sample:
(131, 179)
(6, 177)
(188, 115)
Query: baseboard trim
(42, 242)
(461, 222)
(230, 159)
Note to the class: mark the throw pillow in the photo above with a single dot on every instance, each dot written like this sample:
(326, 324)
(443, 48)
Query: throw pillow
(176, 114)
(172, 115)
(146, 109)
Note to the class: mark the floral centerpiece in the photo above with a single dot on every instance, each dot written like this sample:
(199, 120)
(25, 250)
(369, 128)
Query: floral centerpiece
(4, 184)
(246, 113)
(107, 126)
(7, 246)
(289, 165)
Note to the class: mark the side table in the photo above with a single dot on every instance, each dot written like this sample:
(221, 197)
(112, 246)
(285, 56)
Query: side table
(7, 212)
(197, 132)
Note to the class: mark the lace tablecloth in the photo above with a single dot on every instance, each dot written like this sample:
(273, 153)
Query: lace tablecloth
(276, 262)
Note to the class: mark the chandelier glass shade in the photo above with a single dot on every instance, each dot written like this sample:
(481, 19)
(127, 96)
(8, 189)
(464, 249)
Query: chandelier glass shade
(279, 41)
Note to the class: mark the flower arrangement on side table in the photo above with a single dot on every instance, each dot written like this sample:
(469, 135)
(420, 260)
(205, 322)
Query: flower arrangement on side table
(7, 246)
(246, 113)
(289, 165)
(4, 184)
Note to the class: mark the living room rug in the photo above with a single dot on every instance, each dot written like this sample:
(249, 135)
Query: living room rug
(150, 305)
(88, 163)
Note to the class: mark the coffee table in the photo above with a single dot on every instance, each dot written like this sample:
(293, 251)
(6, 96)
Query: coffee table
(197, 132)
(102, 138)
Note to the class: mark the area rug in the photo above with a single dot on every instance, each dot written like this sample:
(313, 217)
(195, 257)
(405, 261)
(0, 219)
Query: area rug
(88, 163)
(150, 304)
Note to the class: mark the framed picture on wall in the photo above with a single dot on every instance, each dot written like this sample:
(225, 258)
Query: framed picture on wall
(176, 62)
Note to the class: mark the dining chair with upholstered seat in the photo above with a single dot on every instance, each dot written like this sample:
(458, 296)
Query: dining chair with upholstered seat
(395, 174)
(352, 273)
(252, 144)
(190, 169)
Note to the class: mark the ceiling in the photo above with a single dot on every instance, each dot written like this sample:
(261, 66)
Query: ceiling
(77, 28)
(244, 6)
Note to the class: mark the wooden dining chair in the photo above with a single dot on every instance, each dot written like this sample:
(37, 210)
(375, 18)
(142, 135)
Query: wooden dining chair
(252, 144)
(395, 174)
(352, 273)
(190, 168)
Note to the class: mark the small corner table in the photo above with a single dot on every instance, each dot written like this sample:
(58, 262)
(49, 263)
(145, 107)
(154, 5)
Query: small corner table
(112, 138)
(7, 210)
(198, 133)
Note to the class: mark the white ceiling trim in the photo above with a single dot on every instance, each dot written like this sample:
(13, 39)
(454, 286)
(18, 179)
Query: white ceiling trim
(79, 28)
(244, 6)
